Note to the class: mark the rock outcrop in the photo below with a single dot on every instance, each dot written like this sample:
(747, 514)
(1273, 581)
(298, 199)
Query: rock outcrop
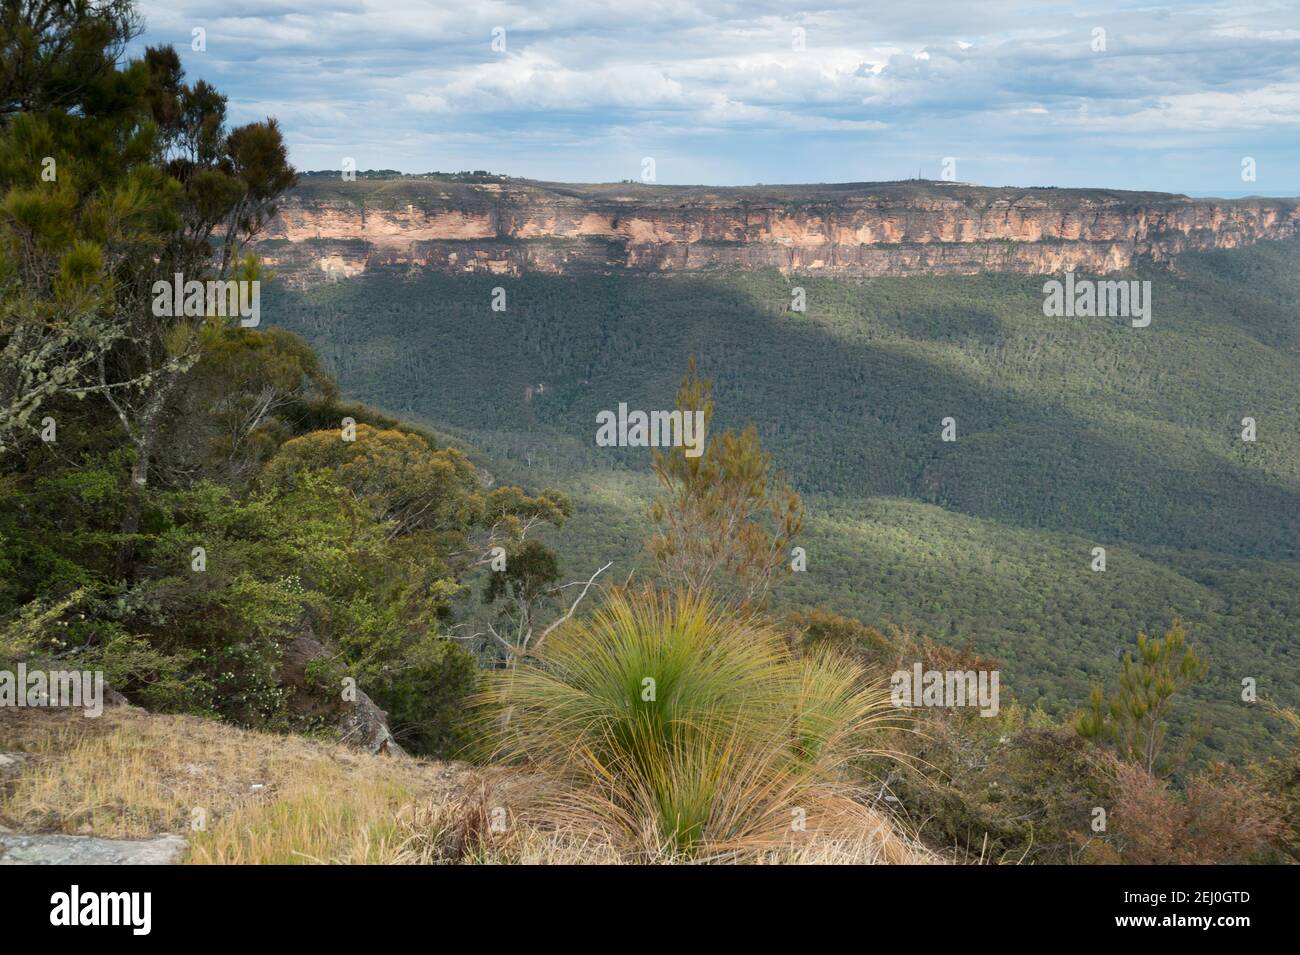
(359, 720)
(329, 230)
(44, 849)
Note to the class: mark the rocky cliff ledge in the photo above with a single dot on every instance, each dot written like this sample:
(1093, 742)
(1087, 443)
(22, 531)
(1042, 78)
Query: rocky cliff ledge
(328, 229)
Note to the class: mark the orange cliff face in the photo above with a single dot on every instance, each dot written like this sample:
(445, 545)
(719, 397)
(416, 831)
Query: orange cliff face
(328, 229)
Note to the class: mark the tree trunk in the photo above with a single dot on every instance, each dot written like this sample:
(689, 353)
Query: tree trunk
(145, 440)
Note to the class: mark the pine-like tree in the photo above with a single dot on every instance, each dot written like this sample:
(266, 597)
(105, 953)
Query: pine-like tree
(1135, 718)
(724, 521)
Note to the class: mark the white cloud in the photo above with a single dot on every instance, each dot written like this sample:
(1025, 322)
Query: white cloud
(721, 82)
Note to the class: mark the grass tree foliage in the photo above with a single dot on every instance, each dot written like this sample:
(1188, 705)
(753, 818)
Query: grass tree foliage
(686, 731)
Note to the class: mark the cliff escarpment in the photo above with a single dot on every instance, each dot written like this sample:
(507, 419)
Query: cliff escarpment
(329, 229)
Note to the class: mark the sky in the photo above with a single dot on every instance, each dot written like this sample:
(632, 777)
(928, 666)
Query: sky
(1175, 97)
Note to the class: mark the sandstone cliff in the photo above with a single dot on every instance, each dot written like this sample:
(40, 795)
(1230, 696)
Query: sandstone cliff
(328, 229)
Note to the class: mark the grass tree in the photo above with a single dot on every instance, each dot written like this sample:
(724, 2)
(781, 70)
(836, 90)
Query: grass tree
(685, 730)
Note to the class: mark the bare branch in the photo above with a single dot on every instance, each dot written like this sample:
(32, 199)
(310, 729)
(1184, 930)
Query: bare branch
(574, 605)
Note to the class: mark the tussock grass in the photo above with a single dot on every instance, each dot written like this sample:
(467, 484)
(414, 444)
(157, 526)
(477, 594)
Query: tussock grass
(268, 798)
(265, 797)
(682, 732)
(327, 820)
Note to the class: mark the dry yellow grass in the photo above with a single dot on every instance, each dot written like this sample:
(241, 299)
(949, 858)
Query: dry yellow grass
(263, 797)
(269, 798)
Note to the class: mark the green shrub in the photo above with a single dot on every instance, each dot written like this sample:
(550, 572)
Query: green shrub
(426, 693)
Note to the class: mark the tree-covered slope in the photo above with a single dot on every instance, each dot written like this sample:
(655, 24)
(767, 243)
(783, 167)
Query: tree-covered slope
(1072, 433)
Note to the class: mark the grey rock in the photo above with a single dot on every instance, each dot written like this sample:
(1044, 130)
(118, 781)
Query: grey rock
(87, 850)
(361, 723)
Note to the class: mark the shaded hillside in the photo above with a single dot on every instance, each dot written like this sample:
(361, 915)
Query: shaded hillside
(1072, 433)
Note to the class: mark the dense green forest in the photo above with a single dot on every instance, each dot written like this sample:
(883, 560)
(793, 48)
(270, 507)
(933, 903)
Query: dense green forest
(1071, 434)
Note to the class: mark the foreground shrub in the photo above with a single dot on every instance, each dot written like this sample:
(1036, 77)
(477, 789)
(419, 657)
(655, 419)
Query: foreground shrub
(1223, 817)
(684, 731)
